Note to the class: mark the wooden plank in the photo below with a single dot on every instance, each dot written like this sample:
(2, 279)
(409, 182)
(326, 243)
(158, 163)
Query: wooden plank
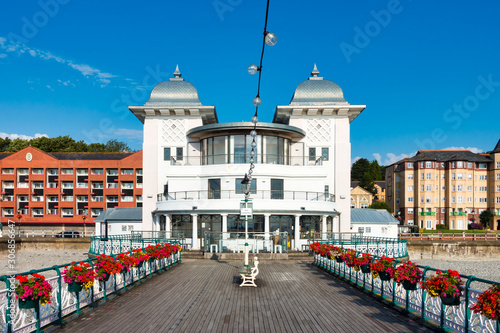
(200, 296)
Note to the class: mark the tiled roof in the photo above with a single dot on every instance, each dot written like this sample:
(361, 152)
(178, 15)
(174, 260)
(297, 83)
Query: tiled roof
(365, 215)
(447, 155)
(497, 148)
(120, 214)
(4, 155)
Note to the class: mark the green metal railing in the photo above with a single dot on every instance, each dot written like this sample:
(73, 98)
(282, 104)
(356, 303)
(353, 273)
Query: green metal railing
(123, 243)
(64, 302)
(448, 318)
(458, 214)
(427, 213)
(376, 246)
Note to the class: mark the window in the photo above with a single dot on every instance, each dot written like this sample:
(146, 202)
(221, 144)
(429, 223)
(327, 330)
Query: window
(498, 199)
(469, 188)
(67, 198)
(166, 154)
(482, 165)
(483, 200)
(469, 199)
(364, 205)
(469, 165)
(398, 179)
(368, 230)
(422, 176)
(452, 199)
(127, 198)
(361, 230)
(453, 188)
(410, 187)
(428, 188)
(82, 172)
(277, 188)
(498, 188)
(410, 199)
(429, 224)
(452, 176)
(498, 176)
(127, 171)
(410, 177)
(443, 210)
(428, 176)
(460, 164)
(428, 164)
(240, 188)
(138, 172)
(312, 154)
(397, 190)
(7, 171)
(469, 176)
(428, 199)
(421, 188)
(482, 177)
(460, 176)
(82, 185)
(324, 154)
(66, 171)
(482, 189)
(410, 222)
(37, 171)
(459, 187)
(410, 165)
(397, 201)
(453, 164)
(460, 199)
(327, 189)
(410, 210)
(112, 172)
(112, 198)
(214, 188)
(67, 185)
(96, 171)
(111, 185)
(179, 153)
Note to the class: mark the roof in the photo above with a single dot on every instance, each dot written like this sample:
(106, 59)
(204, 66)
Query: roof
(316, 91)
(447, 155)
(380, 183)
(175, 92)
(497, 148)
(120, 214)
(4, 155)
(367, 215)
(354, 184)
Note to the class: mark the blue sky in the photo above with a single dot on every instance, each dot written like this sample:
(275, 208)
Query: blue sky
(428, 71)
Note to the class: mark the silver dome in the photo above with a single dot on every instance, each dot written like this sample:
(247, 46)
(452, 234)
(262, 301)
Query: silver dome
(175, 92)
(316, 91)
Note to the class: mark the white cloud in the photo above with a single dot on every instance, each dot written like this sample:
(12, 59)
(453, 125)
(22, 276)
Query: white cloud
(391, 158)
(377, 157)
(127, 133)
(21, 136)
(472, 149)
(3, 55)
(49, 87)
(84, 69)
(355, 159)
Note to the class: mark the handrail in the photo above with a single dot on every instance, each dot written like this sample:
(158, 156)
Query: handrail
(451, 236)
(456, 318)
(64, 302)
(259, 194)
(376, 246)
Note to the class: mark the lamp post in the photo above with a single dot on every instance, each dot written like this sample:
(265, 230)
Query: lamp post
(84, 226)
(19, 224)
(246, 185)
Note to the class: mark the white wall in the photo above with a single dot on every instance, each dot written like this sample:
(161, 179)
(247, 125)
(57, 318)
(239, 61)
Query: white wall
(376, 229)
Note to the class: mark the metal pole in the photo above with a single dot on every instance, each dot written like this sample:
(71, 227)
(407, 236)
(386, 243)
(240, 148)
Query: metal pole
(246, 235)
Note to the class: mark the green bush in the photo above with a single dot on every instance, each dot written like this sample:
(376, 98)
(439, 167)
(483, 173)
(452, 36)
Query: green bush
(442, 227)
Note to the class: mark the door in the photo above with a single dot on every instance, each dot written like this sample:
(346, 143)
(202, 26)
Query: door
(209, 230)
(214, 188)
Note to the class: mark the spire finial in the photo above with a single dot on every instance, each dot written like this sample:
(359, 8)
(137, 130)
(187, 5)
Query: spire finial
(315, 71)
(177, 73)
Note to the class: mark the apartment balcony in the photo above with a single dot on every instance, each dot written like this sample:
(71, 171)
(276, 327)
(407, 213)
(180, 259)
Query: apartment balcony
(458, 214)
(427, 213)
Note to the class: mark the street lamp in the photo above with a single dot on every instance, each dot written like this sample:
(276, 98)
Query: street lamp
(246, 183)
(84, 225)
(19, 224)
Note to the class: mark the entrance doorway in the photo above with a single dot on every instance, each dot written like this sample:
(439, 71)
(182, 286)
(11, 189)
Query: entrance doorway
(283, 223)
(209, 224)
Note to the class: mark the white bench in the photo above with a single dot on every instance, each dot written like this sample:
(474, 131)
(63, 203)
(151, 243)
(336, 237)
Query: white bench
(249, 279)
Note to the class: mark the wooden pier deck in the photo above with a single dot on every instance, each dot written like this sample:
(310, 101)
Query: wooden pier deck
(203, 296)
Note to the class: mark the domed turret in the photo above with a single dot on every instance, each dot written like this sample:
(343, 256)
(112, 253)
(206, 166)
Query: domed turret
(316, 91)
(175, 92)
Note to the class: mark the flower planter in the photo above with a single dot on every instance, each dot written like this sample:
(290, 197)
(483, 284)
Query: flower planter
(365, 268)
(27, 303)
(106, 278)
(339, 260)
(75, 287)
(408, 285)
(384, 276)
(450, 300)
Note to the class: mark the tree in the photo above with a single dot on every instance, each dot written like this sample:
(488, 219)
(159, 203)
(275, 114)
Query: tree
(117, 146)
(485, 217)
(380, 205)
(17, 145)
(4, 144)
(367, 183)
(359, 168)
(375, 170)
(96, 148)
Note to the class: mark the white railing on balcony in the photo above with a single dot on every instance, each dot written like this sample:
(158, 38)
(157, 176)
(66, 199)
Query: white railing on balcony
(264, 194)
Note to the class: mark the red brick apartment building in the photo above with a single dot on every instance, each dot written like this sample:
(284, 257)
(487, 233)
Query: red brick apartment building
(66, 190)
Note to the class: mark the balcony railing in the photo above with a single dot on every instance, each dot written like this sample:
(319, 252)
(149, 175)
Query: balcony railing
(458, 214)
(427, 213)
(245, 159)
(228, 194)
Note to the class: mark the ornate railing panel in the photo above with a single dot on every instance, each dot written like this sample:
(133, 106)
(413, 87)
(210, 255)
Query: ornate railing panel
(458, 318)
(64, 302)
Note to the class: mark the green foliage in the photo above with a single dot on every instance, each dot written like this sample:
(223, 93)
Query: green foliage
(63, 144)
(442, 227)
(367, 183)
(375, 170)
(485, 217)
(359, 168)
(380, 205)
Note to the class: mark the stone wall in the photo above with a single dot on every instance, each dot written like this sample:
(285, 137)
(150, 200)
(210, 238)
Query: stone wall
(45, 244)
(453, 250)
